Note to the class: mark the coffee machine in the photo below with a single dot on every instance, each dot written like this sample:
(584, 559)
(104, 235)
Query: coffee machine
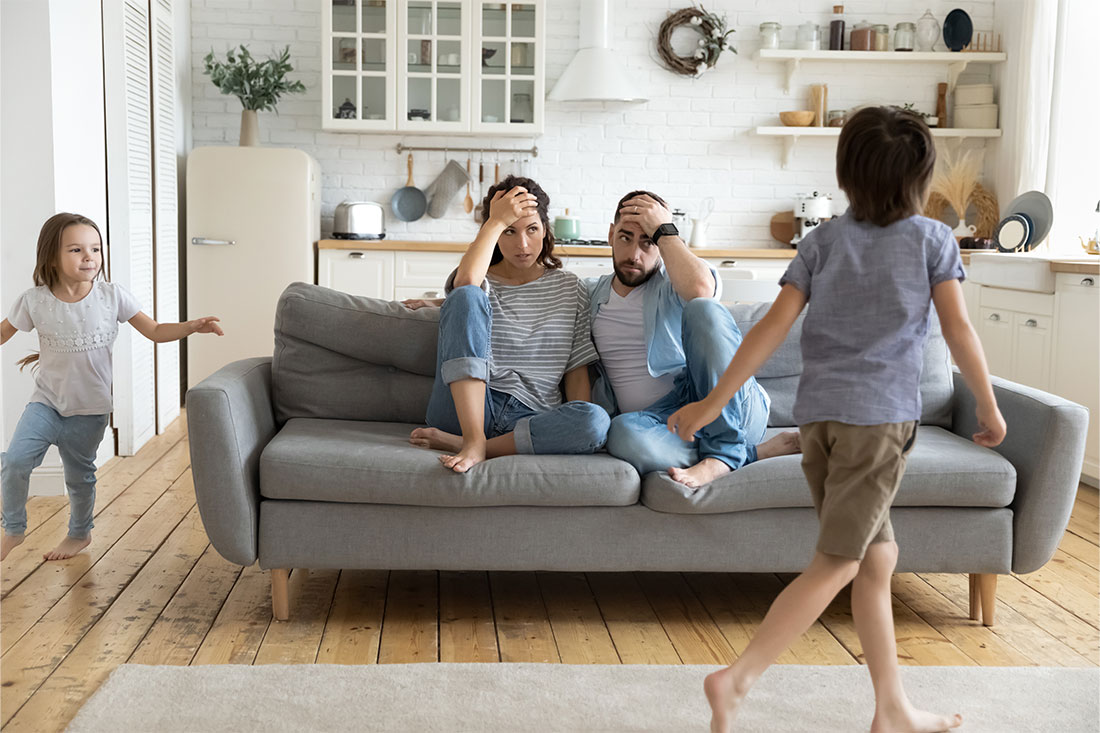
(809, 211)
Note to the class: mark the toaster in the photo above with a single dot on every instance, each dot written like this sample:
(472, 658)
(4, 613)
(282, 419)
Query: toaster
(359, 220)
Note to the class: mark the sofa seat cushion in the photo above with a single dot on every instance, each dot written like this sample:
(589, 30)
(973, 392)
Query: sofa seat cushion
(373, 463)
(944, 470)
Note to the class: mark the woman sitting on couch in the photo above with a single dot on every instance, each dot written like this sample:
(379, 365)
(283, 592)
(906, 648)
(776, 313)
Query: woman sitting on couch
(515, 321)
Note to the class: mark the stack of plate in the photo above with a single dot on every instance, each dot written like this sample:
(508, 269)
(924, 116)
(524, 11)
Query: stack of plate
(1026, 223)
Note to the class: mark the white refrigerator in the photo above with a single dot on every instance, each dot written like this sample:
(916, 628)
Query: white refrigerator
(253, 215)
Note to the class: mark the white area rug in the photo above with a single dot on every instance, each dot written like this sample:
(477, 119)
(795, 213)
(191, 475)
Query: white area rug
(556, 697)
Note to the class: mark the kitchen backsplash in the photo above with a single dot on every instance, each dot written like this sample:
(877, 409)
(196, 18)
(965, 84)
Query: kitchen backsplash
(694, 137)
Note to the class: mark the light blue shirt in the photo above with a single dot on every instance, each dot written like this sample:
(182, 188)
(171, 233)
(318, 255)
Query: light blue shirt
(663, 311)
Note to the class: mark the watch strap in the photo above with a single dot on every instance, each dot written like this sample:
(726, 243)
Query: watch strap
(665, 230)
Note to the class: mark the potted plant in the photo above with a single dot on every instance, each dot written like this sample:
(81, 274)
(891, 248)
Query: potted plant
(930, 119)
(257, 84)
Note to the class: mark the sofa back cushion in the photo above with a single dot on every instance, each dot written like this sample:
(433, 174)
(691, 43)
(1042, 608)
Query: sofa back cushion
(353, 358)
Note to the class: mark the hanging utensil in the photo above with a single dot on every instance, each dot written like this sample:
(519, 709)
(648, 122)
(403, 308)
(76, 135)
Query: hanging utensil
(409, 203)
(496, 173)
(468, 204)
(478, 214)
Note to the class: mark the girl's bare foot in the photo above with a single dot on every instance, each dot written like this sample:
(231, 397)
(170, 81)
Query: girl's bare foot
(908, 719)
(436, 439)
(68, 547)
(725, 696)
(9, 542)
(783, 444)
(700, 474)
(465, 459)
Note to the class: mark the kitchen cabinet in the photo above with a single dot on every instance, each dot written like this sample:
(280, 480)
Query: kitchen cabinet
(433, 66)
(1076, 362)
(1015, 328)
(358, 272)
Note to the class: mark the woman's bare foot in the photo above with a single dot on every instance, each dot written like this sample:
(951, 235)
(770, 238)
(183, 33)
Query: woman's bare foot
(910, 720)
(436, 439)
(783, 444)
(725, 696)
(700, 474)
(68, 547)
(465, 459)
(9, 542)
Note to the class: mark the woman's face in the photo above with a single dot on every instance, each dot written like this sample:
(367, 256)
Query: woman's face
(521, 243)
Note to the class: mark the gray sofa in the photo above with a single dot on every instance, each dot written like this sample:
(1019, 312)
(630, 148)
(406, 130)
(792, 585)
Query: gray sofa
(302, 461)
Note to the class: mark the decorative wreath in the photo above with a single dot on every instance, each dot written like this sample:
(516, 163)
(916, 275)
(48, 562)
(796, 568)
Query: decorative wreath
(713, 40)
(984, 203)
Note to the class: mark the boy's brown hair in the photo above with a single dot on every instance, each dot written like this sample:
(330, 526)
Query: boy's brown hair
(884, 162)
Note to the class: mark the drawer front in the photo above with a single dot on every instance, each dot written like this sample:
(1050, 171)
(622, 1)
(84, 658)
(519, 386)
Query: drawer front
(1017, 300)
(405, 292)
(1077, 282)
(424, 269)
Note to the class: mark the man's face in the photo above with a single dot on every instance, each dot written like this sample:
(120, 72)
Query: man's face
(634, 254)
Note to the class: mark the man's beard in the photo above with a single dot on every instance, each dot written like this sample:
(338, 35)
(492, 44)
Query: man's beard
(633, 280)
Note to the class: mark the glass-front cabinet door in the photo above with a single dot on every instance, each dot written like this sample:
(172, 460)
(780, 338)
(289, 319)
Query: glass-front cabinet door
(508, 84)
(434, 66)
(359, 91)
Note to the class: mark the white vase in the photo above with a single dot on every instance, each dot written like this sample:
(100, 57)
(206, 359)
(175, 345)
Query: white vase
(928, 31)
(250, 128)
(964, 229)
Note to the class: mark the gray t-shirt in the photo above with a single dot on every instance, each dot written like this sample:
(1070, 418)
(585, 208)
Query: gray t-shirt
(541, 330)
(870, 293)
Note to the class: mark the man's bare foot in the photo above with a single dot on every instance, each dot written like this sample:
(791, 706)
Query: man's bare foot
(907, 719)
(783, 444)
(465, 459)
(436, 439)
(725, 696)
(8, 543)
(700, 474)
(68, 547)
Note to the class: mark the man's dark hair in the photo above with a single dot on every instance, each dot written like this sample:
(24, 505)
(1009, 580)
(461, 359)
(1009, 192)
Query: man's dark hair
(632, 194)
(884, 162)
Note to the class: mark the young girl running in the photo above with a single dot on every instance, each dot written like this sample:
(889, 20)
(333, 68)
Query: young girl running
(76, 312)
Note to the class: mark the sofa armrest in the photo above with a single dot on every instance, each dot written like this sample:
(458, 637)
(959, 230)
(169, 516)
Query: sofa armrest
(1046, 444)
(229, 421)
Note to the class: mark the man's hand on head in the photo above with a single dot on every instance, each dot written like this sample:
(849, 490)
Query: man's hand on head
(646, 212)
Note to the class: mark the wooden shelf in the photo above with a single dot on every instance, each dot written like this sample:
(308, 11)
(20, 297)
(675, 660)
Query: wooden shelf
(793, 133)
(956, 61)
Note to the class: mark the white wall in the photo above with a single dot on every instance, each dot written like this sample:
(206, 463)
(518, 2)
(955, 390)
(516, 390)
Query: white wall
(692, 139)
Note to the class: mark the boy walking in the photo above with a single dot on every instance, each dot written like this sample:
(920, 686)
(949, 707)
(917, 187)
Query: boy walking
(869, 278)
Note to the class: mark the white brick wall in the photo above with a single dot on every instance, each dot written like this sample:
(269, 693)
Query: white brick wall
(694, 138)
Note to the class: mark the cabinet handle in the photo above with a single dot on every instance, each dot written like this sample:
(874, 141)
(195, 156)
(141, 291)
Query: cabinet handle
(355, 255)
(728, 263)
(995, 317)
(1031, 323)
(431, 294)
(1088, 282)
(204, 240)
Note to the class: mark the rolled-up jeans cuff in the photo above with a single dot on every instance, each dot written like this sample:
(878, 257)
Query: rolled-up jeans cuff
(521, 433)
(465, 367)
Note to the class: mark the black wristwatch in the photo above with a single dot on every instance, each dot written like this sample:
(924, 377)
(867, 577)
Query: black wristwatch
(665, 230)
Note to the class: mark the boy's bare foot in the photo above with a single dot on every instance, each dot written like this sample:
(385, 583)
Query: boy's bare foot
(783, 444)
(725, 696)
(436, 439)
(68, 547)
(908, 719)
(700, 474)
(9, 542)
(465, 459)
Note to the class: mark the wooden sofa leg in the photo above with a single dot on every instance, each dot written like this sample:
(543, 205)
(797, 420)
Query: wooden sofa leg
(987, 588)
(280, 594)
(975, 599)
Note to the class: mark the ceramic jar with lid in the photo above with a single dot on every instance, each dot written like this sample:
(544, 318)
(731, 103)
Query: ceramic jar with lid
(862, 38)
(808, 37)
(904, 35)
(928, 31)
(769, 35)
(837, 117)
(882, 37)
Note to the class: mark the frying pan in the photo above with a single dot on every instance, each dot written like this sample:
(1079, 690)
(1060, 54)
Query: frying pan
(409, 203)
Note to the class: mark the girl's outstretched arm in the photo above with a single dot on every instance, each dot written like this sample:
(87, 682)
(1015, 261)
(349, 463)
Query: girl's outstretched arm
(6, 330)
(764, 338)
(162, 332)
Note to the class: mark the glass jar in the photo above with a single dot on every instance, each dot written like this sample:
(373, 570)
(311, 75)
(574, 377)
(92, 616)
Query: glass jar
(904, 35)
(862, 38)
(882, 37)
(808, 37)
(769, 35)
(837, 117)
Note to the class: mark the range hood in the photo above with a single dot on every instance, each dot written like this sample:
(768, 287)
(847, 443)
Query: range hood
(595, 74)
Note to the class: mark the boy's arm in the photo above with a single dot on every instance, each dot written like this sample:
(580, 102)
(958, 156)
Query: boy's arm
(759, 344)
(6, 331)
(967, 352)
(577, 385)
(162, 332)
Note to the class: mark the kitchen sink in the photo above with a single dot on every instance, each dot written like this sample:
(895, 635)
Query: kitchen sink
(1012, 271)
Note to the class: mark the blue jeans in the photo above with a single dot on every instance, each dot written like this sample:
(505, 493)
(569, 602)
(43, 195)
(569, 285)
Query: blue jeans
(78, 438)
(465, 329)
(711, 337)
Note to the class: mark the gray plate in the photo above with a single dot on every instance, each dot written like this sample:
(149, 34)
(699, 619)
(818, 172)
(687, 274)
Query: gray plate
(1038, 208)
(409, 203)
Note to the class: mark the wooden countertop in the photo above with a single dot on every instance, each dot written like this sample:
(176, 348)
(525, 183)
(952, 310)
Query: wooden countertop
(1080, 265)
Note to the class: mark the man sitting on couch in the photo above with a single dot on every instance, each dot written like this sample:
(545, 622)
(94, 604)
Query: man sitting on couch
(664, 340)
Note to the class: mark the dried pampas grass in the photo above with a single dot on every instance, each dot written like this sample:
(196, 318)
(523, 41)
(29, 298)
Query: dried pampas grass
(956, 177)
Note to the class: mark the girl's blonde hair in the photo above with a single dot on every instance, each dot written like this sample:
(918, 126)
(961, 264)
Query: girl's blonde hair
(49, 250)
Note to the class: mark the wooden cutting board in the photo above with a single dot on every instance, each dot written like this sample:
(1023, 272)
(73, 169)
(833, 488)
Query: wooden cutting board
(782, 226)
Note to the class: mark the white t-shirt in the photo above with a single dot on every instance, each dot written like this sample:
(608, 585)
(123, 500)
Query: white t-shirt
(619, 333)
(74, 370)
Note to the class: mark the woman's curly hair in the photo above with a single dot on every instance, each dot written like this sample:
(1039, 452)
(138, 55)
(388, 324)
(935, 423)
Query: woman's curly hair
(546, 257)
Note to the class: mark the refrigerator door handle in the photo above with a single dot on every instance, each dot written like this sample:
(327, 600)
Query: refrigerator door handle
(204, 240)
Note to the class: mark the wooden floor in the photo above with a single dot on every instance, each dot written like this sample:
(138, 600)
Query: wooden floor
(151, 590)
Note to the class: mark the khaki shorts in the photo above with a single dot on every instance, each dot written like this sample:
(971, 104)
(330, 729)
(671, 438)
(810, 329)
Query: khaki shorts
(854, 472)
